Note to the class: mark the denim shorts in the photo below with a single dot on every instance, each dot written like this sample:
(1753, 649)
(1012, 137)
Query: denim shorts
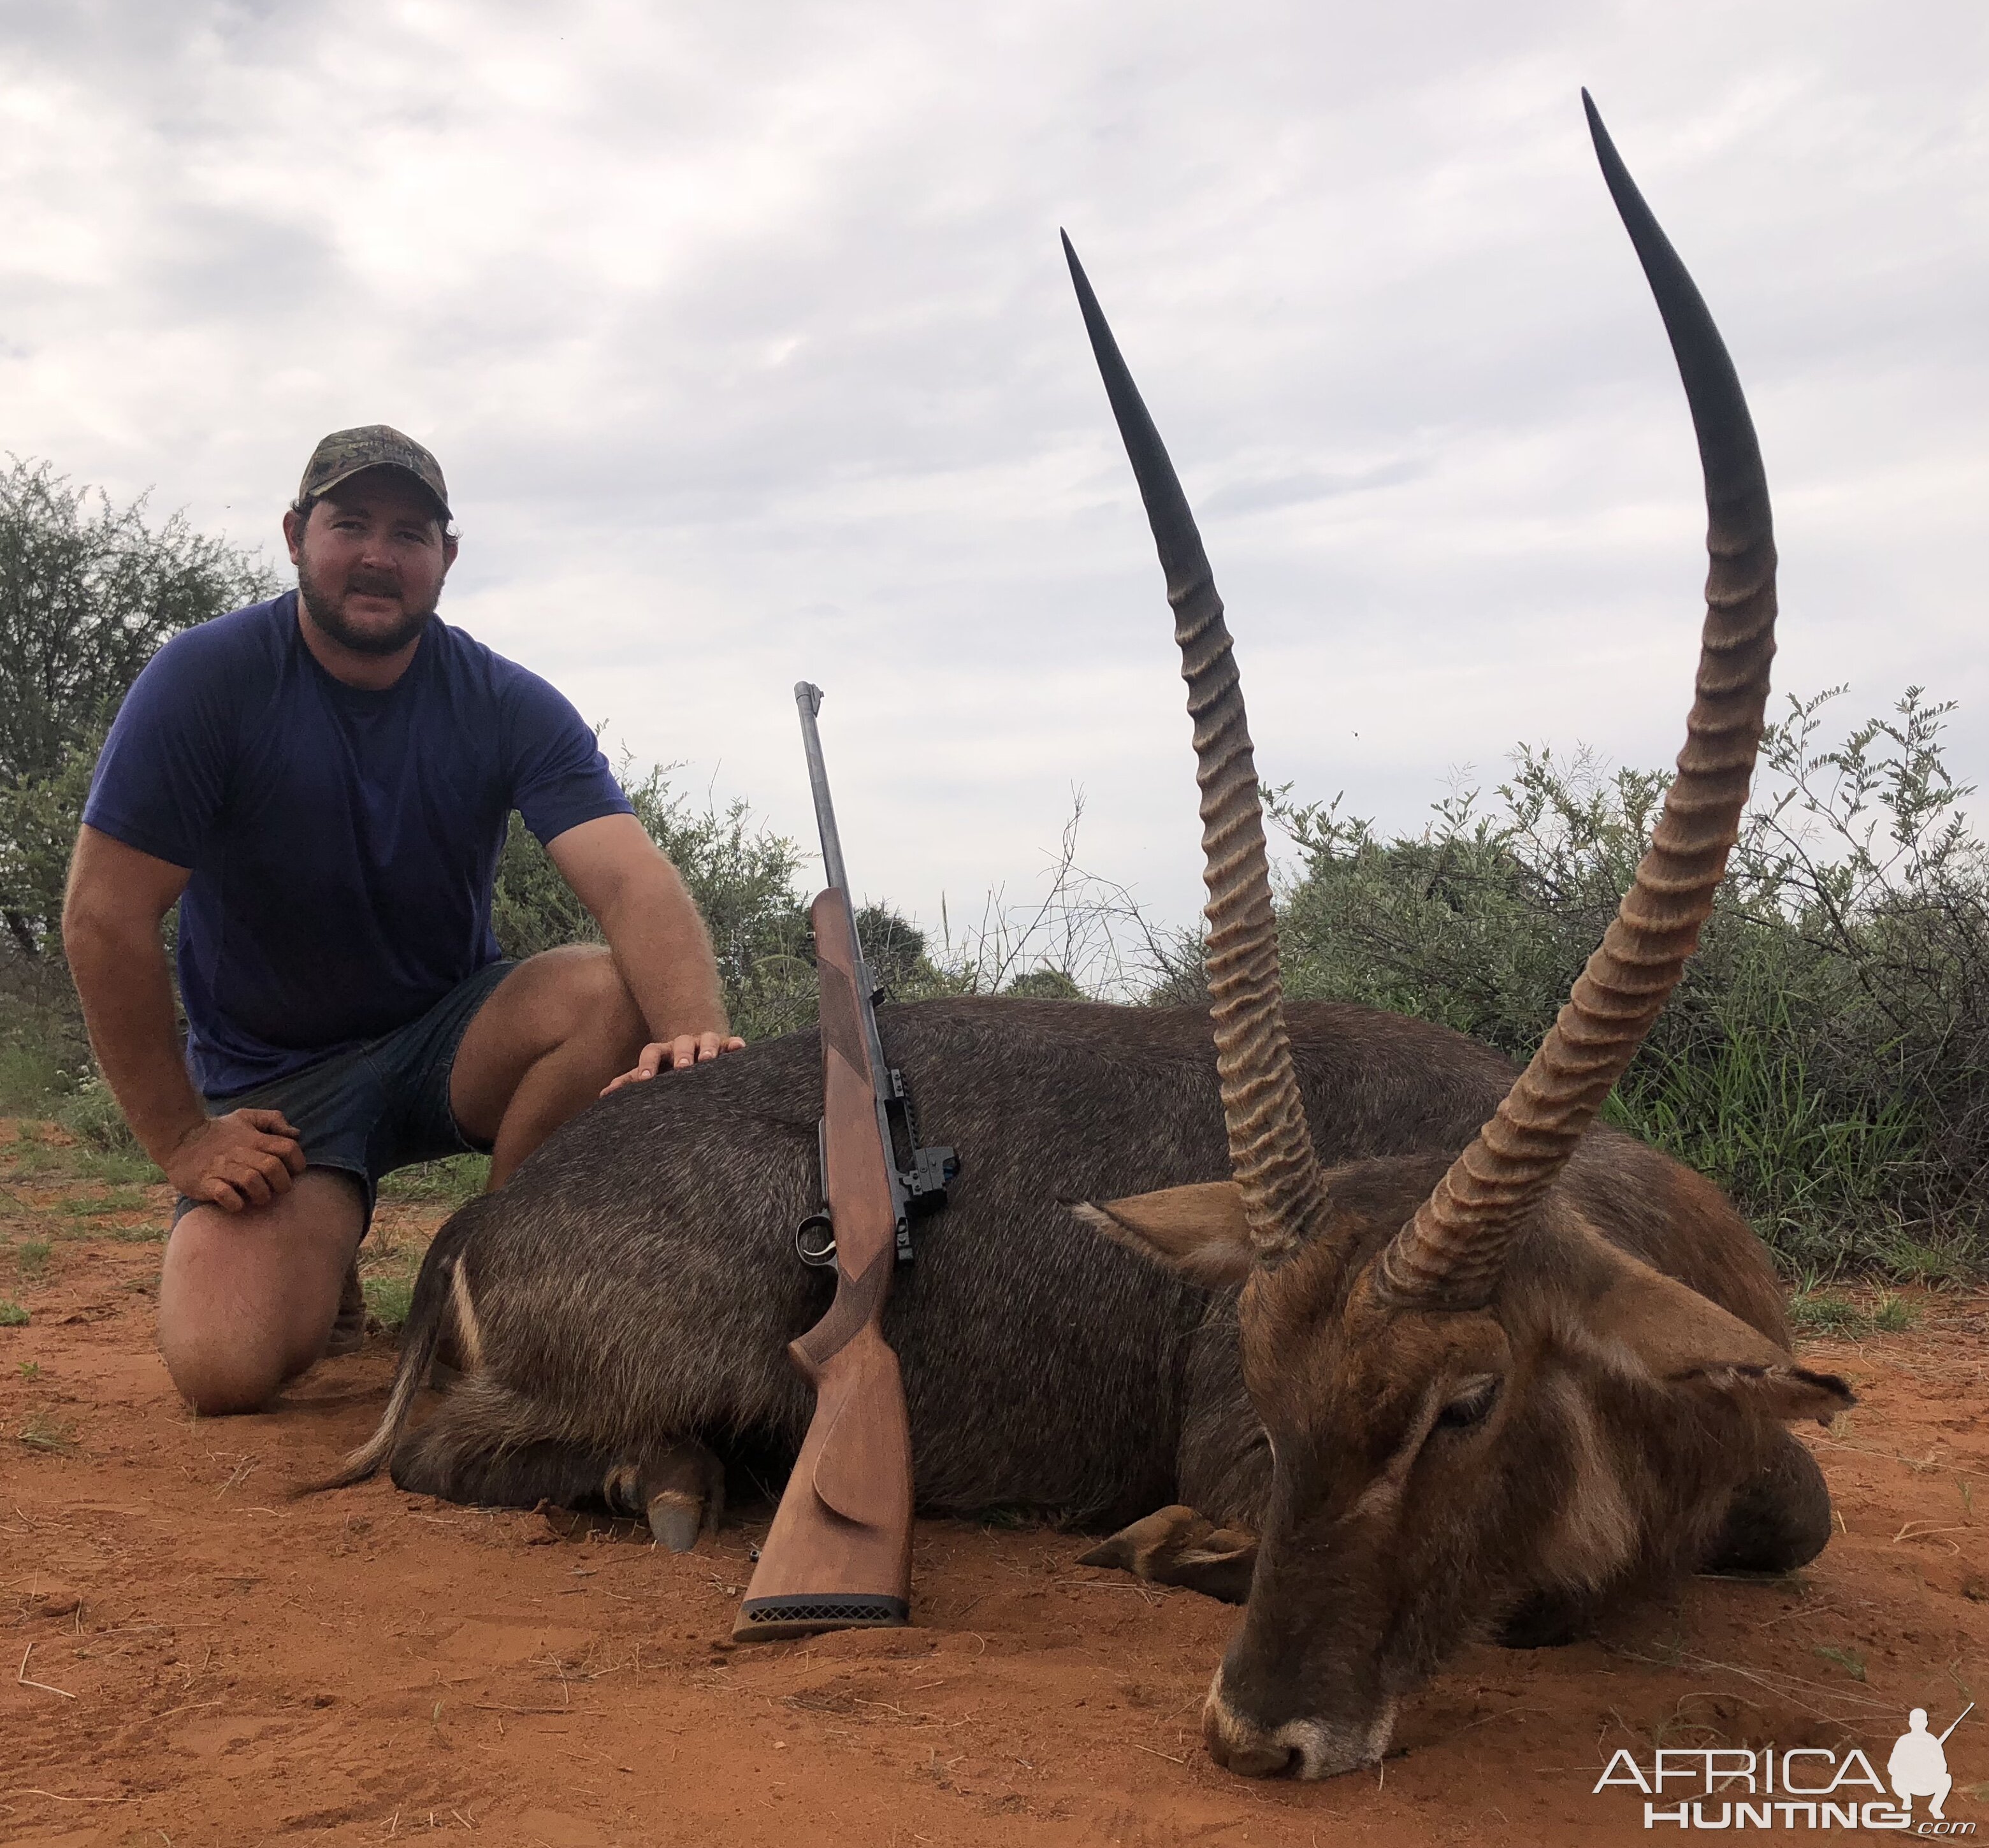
(381, 1106)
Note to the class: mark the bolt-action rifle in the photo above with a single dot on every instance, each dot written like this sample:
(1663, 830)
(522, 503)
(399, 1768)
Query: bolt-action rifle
(838, 1555)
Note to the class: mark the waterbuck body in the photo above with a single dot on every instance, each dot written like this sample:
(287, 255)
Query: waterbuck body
(623, 1304)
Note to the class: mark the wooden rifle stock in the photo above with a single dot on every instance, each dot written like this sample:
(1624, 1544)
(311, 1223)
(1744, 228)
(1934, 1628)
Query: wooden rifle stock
(838, 1555)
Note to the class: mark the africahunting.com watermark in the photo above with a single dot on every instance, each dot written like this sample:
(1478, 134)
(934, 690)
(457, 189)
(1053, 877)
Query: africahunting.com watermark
(1799, 1787)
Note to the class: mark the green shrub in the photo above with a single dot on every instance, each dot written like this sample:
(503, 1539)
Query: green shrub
(92, 1115)
(88, 591)
(1045, 985)
(742, 878)
(1826, 1057)
(30, 1080)
(11, 1315)
(741, 875)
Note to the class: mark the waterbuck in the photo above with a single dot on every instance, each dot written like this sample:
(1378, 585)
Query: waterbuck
(1392, 1394)
(1473, 1385)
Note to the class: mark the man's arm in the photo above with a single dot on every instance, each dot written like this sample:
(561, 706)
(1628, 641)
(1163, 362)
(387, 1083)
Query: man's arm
(659, 941)
(111, 913)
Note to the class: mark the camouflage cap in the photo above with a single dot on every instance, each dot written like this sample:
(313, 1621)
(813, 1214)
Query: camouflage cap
(346, 453)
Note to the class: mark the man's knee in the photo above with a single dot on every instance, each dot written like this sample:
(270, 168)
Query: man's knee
(587, 1000)
(223, 1356)
(218, 1377)
(611, 1010)
(246, 1301)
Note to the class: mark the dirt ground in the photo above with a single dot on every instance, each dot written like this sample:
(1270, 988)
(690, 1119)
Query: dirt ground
(202, 1659)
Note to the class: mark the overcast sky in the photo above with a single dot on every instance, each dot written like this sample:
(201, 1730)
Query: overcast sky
(742, 332)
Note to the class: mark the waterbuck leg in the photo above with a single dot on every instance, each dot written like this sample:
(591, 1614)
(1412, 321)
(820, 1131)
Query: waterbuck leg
(495, 1448)
(1176, 1546)
(456, 1459)
(1778, 1521)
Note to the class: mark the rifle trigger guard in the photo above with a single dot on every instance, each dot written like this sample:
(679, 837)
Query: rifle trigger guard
(815, 1239)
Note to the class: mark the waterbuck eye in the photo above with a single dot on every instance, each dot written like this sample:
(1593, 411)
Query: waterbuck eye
(1470, 1404)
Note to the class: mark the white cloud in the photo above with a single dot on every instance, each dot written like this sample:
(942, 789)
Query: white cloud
(744, 335)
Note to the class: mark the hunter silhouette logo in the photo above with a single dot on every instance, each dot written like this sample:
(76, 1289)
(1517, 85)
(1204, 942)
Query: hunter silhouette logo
(1918, 1767)
(1800, 1787)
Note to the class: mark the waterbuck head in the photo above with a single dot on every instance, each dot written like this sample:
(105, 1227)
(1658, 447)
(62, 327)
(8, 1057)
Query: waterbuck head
(1481, 1408)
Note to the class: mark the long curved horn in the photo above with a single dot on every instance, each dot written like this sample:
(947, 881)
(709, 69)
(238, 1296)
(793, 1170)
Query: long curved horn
(1270, 1148)
(1449, 1256)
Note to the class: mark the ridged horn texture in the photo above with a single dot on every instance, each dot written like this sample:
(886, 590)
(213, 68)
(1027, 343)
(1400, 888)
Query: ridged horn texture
(1450, 1255)
(1270, 1148)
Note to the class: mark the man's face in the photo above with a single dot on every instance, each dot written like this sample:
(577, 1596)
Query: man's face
(371, 560)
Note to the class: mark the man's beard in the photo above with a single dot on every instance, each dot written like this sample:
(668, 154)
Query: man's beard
(327, 612)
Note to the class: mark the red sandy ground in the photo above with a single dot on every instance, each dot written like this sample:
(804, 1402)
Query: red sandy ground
(238, 1667)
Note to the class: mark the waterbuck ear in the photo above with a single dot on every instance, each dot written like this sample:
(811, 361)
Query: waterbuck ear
(1198, 1230)
(1645, 1321)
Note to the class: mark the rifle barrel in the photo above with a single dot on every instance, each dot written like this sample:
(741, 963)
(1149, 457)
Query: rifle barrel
(1958, 1718)
(808, 698)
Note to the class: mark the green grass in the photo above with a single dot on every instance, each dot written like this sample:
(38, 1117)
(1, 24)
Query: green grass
(28, 1154)
(117, 1167)
(388, 1264)
(451, 1182)
(31, 1258)
(11, 1315)
(1910, 1260)
(121, 1199)
(1850, 1660)
(45, 1432)
(133, 1235)
(34, 1159)
(387, 1299)
(1816, 1311)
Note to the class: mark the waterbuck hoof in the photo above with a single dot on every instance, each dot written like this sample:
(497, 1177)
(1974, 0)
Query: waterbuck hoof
(1177, 1546)
(675, 1519)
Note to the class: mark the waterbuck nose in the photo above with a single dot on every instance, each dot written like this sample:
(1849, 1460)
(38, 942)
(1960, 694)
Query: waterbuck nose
(1240, 1745)
(1251, 1761)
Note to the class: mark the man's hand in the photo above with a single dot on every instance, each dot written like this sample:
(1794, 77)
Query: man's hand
(686, 1049)
(245, 1158)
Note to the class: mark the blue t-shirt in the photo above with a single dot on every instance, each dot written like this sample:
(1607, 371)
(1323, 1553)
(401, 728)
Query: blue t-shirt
(342, 843)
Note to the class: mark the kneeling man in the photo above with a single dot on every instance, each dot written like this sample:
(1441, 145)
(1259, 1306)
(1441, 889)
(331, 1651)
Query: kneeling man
(322, 783)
